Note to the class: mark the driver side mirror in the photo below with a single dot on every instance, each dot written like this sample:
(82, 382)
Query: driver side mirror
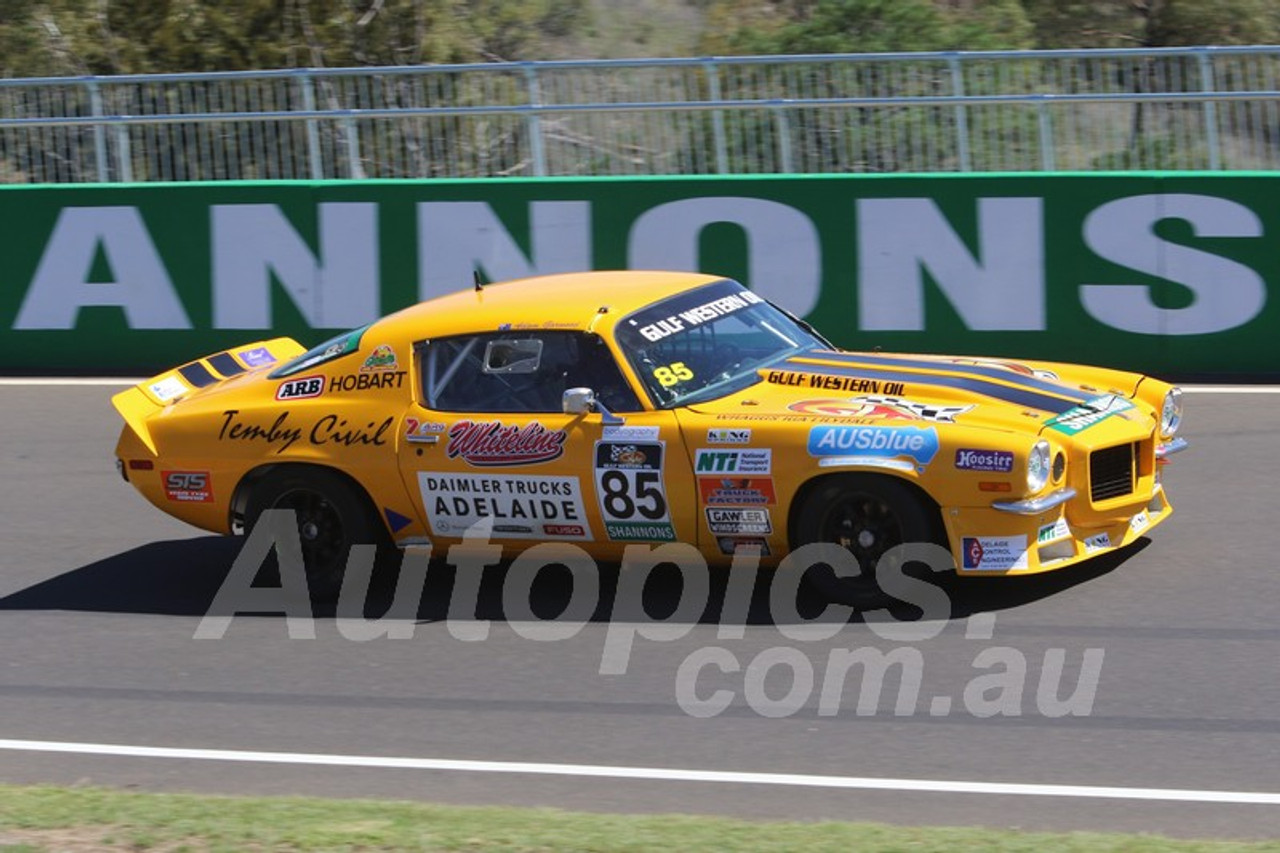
(582, 401)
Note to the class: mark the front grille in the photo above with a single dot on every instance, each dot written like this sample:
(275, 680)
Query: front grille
(1111, 472)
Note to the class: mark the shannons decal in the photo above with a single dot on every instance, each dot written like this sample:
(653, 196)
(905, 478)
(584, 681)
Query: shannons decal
(881, 442)
(881, 407)
(490, 443)
(522, 506)
(1091, 412)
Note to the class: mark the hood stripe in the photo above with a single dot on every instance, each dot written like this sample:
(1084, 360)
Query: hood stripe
(1029, 399)
(1010, 376)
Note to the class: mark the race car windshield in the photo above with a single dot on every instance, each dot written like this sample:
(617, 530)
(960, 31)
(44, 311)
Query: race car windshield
(344, 344)
(709, 343)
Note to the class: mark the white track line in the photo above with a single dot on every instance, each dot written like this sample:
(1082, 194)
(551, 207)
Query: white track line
(648, 773)
(57, 381)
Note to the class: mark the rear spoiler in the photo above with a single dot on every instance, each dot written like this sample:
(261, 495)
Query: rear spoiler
(150, 396)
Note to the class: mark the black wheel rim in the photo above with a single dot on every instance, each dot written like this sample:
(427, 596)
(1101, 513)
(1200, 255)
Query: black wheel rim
(320, 531)
(864, 525)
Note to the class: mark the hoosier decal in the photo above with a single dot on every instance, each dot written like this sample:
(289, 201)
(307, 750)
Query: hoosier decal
(490, 443)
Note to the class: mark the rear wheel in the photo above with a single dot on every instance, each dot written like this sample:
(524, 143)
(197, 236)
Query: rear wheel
(331, 516)
(866, 514)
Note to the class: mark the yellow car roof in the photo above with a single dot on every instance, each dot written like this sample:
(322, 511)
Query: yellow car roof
(565, 300)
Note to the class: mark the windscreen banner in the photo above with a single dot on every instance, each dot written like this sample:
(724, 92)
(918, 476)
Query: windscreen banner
(1165, 273)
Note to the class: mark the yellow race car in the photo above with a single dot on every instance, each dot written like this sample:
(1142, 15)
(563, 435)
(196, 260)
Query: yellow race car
(607, 409)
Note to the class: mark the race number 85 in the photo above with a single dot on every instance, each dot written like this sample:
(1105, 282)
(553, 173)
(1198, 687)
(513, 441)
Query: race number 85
(628, 492)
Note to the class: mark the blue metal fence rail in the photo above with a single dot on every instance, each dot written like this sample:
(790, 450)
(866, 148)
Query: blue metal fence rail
(1179, 108)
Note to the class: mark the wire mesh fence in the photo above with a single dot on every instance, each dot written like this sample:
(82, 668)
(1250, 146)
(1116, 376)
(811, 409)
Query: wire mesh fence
(1173, 108)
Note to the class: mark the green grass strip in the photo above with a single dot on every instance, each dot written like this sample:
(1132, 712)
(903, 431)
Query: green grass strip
(48, 818)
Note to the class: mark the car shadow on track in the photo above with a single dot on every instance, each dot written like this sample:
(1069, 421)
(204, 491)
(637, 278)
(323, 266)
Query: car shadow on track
(183, 577)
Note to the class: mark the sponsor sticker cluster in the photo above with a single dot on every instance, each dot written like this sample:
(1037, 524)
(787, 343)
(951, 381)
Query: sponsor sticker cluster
(992, 461)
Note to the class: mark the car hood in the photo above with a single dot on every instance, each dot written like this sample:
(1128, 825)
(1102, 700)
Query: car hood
(995, 393)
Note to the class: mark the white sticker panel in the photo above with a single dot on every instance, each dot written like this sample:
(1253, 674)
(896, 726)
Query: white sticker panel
(533, 506)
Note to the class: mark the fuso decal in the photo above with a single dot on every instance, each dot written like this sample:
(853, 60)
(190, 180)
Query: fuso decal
(488, 443)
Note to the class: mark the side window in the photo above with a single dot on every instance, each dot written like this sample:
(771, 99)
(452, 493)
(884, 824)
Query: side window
(519, 372)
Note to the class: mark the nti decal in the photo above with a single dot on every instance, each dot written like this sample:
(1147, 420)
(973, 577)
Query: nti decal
(489, 443)
(994, 553)
(1089, 413)
(996, 461)
(876, 442)
(629, 486)
(881, 407)
(187, 486)
(519, 507)
(301, 389)
(1053, 532)
(736, 491)
(733, 461)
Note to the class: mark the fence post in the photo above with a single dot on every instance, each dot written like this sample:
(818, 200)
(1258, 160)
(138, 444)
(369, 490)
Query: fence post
(313, 132)
(533, 121)
(962, 116)
(779, 109)
(1210, 108)
(712, 71)
(354, 169)
(1047, 159)
(125, 155)
(99, 131)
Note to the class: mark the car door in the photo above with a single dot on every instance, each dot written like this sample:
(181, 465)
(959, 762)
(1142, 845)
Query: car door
(486, 442)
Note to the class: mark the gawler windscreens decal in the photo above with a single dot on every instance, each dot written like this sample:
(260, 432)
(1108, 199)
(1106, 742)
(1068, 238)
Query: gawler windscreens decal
(518, 506)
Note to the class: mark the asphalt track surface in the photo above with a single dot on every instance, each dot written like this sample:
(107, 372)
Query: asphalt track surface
(100, 596)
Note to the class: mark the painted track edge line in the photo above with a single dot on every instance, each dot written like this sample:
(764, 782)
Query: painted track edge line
(648, 773)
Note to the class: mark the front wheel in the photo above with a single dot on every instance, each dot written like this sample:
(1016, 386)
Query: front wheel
(866, 514)
(331, 516)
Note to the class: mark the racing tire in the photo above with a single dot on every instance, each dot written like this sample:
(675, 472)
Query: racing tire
(867, 514)
(332, 516)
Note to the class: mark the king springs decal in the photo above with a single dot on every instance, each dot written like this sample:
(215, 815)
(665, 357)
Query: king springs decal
(489, 443)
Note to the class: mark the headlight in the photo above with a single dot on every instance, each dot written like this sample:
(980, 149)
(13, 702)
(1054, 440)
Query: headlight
(1038, 466)
(1171, 413)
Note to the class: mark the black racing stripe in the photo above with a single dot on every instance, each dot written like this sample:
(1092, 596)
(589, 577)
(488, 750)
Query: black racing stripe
(197, 374)
(1000, 373)
(225, 364)
(1029, 399)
